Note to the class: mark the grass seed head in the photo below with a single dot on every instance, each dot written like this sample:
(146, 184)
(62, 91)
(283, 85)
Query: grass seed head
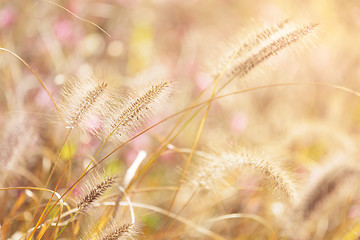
(84, 99)
(93, 190)
(140, 105)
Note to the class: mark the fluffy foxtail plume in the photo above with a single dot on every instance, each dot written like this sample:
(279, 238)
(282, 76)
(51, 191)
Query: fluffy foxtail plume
(18, 136)
(327, 199)
(241, 46)
(139, 107)
(260, 47)
(113, 231)
(263, 35)
(83, 102)
(216, 168)
(93, 190)
(333, 177)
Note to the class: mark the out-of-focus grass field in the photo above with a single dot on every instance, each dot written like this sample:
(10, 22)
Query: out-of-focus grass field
(305, 127)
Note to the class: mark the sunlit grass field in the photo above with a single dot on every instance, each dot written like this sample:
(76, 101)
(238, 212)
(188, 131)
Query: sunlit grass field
(169, 119)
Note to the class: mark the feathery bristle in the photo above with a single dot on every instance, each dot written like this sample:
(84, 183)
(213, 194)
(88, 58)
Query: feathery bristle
(117, 233)
(215, 168)
(86, 103)
(328, 199)
(83, 99)
(112, 231)
(19, 133)
(95, 192)
(241, 67)
(128, 118)
(263, 35)
(241, 47)
(260, 47)
(332, 178)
